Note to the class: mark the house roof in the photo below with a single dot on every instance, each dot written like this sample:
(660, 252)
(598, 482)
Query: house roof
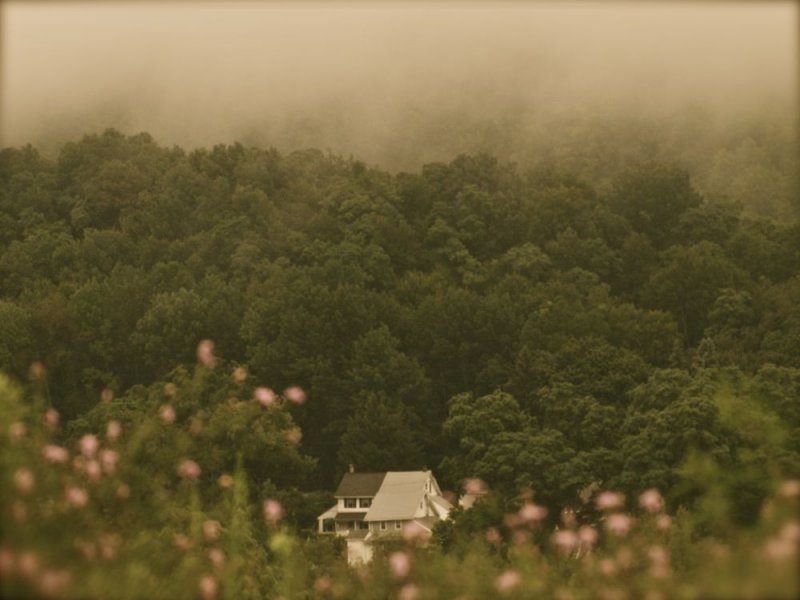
(359, 484)
(330, 513)
(399, 496)
(350, 516)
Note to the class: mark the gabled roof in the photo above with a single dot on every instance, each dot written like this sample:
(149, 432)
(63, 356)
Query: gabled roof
(359, 484)
(399, 496)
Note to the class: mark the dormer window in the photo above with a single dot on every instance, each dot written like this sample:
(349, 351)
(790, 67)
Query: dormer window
(364, 502)
(350, 503)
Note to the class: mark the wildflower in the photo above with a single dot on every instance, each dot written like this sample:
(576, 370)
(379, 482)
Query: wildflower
(508, 580)
(24, 480)
(493, 536)
(55, 454)
(322, 584)
(28, 564)
(608, 567)
(400, 564)
(17, 431)
(659, 562)
(109, 543)
(619, 524)
(170, 389)
(53, 582)
(19, 511)
(106, 395)
(663, 522)
(205, 354)
(272, 510)
(790, 531)
(295, 394)
(239, 375)
(89, 445)
(188, 469)
(51, 418)
(565, 540)
(208, 587)
(211, 530)
(92, 470)
(181, 542)
(264, 396)
(113, 431)
(7, 561)
(225, 481)
(408, 592)
(109, 460)
(651, 501)
(609, 500)
(36, 370)
(587, 535)
(123, 491)
(88, 549)
(77, 497)
(532, 513)
(475, 486)
(779, 549)
(790, 488)
(167, 414)
(520, 537)
(216, 557)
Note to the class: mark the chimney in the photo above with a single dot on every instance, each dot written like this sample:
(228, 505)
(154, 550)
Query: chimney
(352, 468)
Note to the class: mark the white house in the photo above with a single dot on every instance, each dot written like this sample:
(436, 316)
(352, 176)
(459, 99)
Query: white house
(374, 506)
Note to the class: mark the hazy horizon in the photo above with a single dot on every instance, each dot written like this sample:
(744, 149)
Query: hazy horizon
(378, 81)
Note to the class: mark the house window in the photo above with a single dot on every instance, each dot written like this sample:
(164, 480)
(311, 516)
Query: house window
(383, 525)
(328, 525)
(350, 503)
(365, 502)
(397, 524)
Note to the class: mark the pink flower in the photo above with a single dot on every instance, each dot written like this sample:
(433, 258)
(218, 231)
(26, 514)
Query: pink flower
(531, 513)
(508, 580)
(92, 470)
(295, 394)
(790, 488)
(565, 540)
(109, 460)
(609, 500)
(474, 486)
(587, 535)
(181, 542)
(216, 557)
(208, 587)
(17, 431)
(493, 536)
(778, 549)
(188, 469)
(113, 431)
(400, 564)
(790, 531)
(651, 501)
(205, 354)
(272, 510)
(77, 497)
(663, 522)
(109, 543)
(51, 418)
(123, 491)
(211, 530)
(408, 592)
(106, 395)
(7, 560)
(167, 414)
(24, 480)
(55, 454)
(89, 445)
(322, 584)
(264, 396)
(28, 564)
(619, 524)
(53, 582)
(239, 375)
(608, 567)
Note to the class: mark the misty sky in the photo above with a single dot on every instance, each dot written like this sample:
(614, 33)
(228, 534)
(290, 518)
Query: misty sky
(356, 77)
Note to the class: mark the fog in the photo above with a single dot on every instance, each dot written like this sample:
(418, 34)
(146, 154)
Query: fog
(392, 84)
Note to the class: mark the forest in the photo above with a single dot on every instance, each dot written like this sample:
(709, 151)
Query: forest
(234, 326)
